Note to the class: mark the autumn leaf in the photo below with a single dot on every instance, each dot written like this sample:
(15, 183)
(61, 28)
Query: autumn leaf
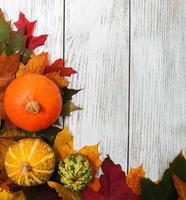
(5, 28)
(64, 144)
(8, 67)
(165, 189)
(133, 179)
(180, 186)
(59, 66)
(63, 192)
(69, 107)
(113, 184)
(92, 154)
(27, 27)
(68, 94)
(7, 195)
(36, 64)
(59, 80)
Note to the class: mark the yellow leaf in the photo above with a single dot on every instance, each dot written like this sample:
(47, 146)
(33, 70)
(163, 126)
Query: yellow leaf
(6, 195)
(133, 179)
(180, 186)
(64, 192)
(92, 154)
(59, 80)
(36, 64)
(63, 144)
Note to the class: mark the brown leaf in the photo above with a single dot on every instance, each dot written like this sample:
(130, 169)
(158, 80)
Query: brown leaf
(180, 186)
(59, 80)
(8, 68)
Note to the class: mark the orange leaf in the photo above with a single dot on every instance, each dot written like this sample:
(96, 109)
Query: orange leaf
(92, 154)
(63, 144)
(180, 186)
(59, 80)
(36, 64)
(95, 185)
(8, 68)
(133, 179)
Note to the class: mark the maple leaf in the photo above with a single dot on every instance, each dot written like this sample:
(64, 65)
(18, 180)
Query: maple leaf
(165, 189)
(8, 67)
(28, 28)
(59, 66)
(113, 184)
(180, 186)
(133, 179)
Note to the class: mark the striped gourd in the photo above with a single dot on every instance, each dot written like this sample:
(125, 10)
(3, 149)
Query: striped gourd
(29, 162)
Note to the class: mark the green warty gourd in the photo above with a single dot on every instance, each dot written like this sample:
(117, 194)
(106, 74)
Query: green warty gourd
(76, 172)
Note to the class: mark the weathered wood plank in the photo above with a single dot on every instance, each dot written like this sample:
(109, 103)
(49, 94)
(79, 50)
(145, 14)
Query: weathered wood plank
(158, 83)
(96, 44)
(49, 14)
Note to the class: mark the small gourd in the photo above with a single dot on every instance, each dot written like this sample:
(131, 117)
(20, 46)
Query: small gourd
(29, 162)
(76, 172)
(32, 102)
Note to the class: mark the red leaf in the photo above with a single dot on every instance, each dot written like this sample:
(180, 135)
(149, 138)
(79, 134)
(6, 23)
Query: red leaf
(113, 184)
(22, 21)
(34, 42)
(59, 66)
(28, 28)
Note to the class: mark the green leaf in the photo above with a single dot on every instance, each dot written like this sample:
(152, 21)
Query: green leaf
(16, 42)
(26, 55)
(49, 134)
(69, 107)
(5, 28)
(177, 167)
(151, 191)
(68, 93)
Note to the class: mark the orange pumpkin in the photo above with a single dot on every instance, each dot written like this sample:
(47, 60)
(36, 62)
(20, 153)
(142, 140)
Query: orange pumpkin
(29, 162)
(32, 102)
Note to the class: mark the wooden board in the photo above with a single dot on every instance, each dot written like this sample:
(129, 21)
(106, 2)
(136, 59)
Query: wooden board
(96, 44)
(158, 83)
(49, 16)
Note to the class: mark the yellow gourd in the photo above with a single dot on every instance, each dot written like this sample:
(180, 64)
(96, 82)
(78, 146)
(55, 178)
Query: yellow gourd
(29, 162)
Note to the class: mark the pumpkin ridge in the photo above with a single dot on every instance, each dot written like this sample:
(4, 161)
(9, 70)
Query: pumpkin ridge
(43, 171)
(10, 165)
(43, 159)
(35, 178)
(13, 173)
(13, 156)
(36, 142)
(21, 150)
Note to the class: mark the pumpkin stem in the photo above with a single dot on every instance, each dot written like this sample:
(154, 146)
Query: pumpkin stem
(33, 107)
(25, 167)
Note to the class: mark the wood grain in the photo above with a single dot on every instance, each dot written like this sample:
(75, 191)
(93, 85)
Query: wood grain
(49, 14)
(96, 44)
(158, 83)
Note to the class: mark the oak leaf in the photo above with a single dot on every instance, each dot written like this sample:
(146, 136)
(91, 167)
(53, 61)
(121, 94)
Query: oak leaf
(59, 66)
(59, 80)
(32, 42)
(180, 186)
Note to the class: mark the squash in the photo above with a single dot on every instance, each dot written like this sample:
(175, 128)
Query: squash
(32, 102)
(76, 172)
(29, 162)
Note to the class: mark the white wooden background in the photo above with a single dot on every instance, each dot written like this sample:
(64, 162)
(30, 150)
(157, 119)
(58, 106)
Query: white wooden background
(131, 61)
